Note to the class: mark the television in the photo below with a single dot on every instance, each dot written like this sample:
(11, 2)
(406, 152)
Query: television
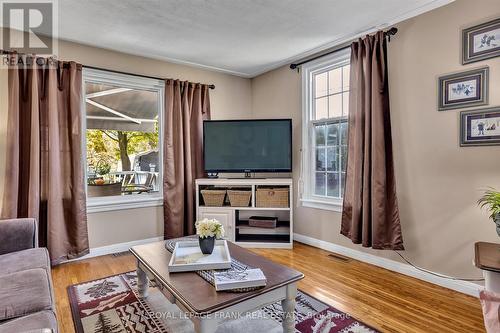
(236, 146)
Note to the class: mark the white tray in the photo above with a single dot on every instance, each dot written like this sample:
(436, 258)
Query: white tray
(187, 257)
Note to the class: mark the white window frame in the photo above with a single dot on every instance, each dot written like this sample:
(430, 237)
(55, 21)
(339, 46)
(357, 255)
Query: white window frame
(308, 198)
(111, 203)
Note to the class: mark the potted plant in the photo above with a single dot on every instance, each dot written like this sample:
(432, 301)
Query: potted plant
(208, 230)
(102, 168)
(491, 200)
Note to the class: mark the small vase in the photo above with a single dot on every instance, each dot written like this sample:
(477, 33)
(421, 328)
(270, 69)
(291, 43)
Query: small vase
(207, 244)
(497, 222)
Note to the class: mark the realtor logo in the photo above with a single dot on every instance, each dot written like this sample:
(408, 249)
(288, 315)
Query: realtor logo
(29, 27)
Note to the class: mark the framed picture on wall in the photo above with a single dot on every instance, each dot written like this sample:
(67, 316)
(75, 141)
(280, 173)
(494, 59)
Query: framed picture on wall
(480, 127)
(481, 42)
(464, 89)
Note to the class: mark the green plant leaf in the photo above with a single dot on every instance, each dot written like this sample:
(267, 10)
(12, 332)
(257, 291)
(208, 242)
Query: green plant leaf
(491, 201)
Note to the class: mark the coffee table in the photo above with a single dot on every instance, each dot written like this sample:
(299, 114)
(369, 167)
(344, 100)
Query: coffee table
(207, 307)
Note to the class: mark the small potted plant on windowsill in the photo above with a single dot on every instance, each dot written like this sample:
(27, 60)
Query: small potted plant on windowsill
(491, 200)
(208, 230)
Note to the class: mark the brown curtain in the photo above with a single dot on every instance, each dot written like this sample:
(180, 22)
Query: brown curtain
(44, 167)
(370, 213)
(186, 106)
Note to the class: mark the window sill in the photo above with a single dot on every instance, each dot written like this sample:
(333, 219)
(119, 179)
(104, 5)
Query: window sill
(335, 206)
(106, 204)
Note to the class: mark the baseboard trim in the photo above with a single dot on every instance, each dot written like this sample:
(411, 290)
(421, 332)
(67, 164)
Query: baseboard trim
(465, 287)
(117, 248)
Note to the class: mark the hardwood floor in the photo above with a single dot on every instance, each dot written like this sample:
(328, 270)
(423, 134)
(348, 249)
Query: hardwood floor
(388, 301)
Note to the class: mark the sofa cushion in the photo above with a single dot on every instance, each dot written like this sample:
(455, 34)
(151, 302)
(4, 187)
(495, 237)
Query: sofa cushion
(18, 234)
(35, 322)
(23, 260)
(25, 292)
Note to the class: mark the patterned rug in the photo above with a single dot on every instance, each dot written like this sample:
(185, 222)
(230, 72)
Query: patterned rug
(112, 305)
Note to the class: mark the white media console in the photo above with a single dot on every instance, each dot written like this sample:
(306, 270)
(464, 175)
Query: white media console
(235, 219)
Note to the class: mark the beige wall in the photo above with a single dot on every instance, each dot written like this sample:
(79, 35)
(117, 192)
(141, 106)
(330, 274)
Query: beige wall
(120, 226)
(230, 99)
(438, 182)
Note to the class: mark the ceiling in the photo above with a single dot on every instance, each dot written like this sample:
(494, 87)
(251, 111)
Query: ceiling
(242, 37)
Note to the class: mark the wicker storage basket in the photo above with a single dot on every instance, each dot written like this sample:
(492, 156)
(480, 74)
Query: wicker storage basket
(262, 222)
(272, 197)
(239, 198)
(213, 197)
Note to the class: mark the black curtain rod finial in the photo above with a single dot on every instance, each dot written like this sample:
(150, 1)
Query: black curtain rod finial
(391, 32)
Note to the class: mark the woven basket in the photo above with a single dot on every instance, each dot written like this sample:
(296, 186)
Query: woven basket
(272, 197)
(239, 198)
(213, 197)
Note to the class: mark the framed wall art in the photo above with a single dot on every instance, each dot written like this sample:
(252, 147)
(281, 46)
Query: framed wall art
(481, 42)
(464, 89)
(480, 127)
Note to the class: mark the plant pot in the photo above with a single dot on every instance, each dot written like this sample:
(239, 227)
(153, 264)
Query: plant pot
(207, 244)
(497, 222)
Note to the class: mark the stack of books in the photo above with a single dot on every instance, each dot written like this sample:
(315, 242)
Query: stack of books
(233, 279)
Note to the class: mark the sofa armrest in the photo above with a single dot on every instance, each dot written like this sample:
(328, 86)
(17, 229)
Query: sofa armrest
(18, 234)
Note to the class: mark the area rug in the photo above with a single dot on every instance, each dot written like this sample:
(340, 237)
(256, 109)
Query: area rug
(112, 305)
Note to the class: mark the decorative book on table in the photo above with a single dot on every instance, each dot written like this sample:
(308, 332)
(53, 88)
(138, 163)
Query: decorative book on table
(232, 279)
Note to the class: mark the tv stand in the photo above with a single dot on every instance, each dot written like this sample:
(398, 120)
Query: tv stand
(235, 219)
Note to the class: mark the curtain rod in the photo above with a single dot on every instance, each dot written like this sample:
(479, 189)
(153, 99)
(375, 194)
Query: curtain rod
(391, 32)
(211, 86)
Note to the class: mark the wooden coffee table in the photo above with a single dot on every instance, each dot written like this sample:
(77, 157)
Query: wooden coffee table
(207, 307)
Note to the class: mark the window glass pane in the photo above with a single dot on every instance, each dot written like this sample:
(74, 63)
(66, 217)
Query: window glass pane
(321, 108)
(321, 84)
(330, 102)
(332, 137)
(333, 185)
(319, 133)
(345, 104)
(342, 184)
(122, 155)
(332, 159)
(320, 159)
(346, 77)
(319, 188)
(343, 133)
(335, 106)
(343, 157)
(335, 81)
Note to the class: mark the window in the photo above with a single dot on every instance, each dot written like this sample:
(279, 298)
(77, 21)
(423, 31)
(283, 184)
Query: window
(325, 110)
(123, 140)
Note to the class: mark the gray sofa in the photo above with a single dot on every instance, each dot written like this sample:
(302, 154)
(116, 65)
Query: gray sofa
(27, 301)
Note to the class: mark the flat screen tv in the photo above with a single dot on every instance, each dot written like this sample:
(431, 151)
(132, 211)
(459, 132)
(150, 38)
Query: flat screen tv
(236, 146)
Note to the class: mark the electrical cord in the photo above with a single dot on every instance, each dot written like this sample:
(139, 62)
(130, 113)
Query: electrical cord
(434, 273)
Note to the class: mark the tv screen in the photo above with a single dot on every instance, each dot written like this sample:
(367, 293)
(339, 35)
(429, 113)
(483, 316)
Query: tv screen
(248, 145)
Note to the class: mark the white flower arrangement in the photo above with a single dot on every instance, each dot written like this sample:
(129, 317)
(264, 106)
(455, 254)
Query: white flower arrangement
(209, 228)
